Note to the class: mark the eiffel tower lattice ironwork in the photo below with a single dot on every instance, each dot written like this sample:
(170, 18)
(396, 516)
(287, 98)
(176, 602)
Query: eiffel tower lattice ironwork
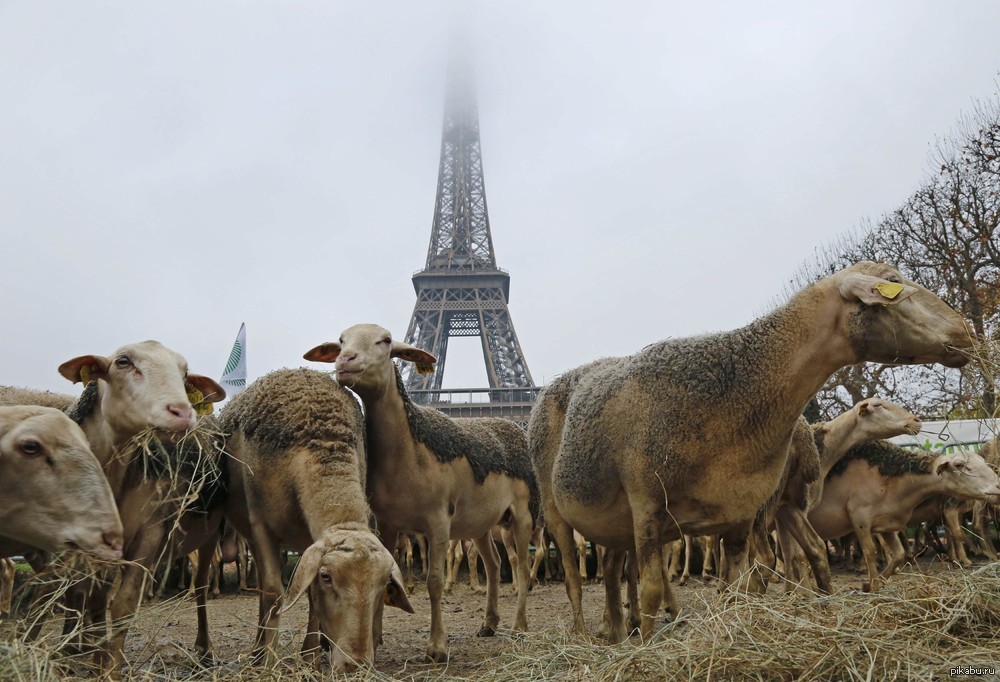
(461, 291)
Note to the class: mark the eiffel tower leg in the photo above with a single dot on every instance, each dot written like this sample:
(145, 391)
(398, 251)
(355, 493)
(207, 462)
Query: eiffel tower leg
(505, 359)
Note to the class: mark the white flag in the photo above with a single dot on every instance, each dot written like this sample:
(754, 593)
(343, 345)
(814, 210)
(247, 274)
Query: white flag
(234, 377)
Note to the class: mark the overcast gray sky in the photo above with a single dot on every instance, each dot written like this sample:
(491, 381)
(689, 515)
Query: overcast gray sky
(652, 169)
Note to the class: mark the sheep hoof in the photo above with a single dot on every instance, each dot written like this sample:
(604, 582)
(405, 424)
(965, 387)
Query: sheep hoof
(486, 631)
(207, 660)
(437, 656)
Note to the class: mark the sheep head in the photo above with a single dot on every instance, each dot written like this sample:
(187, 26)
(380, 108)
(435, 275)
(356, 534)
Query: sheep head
(349, 574)
(363, 358)
(145, 385)
(896, 321)
(53, 494)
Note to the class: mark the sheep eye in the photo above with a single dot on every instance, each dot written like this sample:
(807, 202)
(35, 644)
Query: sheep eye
(31, 447)
(325, 576)
(123, 362)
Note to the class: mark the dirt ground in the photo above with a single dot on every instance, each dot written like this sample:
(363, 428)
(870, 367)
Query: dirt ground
(161, 641)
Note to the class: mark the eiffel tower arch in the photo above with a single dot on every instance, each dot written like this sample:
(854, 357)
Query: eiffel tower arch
(461, 291)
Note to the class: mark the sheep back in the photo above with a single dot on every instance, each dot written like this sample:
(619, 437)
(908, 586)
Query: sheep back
(13, 395)
(490, 445)
(892, 461)
(300, 407)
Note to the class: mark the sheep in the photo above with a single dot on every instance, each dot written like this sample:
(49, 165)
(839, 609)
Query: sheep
(43, 454)
(815, 450)
(933, 511)
(877, 486)
(141, 387)
(629, 466)
(297, 481)
(447, 478)
(981, 513)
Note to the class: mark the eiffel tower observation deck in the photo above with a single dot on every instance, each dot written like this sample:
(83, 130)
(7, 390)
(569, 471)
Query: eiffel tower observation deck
(461, 291)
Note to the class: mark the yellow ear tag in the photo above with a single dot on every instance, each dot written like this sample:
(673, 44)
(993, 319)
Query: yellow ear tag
(197, 400)
(424, 368)
(85, 374)
(889, 289)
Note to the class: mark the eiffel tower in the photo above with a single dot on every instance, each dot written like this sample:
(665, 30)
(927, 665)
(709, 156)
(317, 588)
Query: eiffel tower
(461, 291)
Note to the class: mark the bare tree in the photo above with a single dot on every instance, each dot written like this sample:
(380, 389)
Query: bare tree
(946, 235)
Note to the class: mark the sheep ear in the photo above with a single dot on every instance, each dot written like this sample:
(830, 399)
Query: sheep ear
(404, 351)
(85, 368)
(305, 573)
(395, 593)
(211, 392)
(325, 352)
(874, 290)
(943, 466)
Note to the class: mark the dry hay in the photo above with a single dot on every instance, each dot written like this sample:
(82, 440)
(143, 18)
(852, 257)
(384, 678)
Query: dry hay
(919, 627)
(188, 472)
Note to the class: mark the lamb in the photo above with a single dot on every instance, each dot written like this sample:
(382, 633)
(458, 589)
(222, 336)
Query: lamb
(141, 387)
(628, 469)
(877, 486)
(297, 481)
(42, 455)
(446, 478)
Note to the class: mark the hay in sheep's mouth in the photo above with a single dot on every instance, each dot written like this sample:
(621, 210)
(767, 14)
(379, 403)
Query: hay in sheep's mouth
(187, 473)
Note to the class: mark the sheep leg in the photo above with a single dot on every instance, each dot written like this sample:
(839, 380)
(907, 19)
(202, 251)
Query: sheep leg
(956, 536)
(472, 556)
(980, 520)
(896, 553)
(863, 532)
(763, 557)
(491, 561)
(269, 581)
(686, 573)
(452, 562)
(520, 560)
(206, 555)
(437, 541)
(389, 537)
(537, 538)
(734, 566)
(311, 647)
(581, 553)
(7, 573)
(796, 523)
(563, 536)
(242, 562)
(613, 626)
(794, 559)
(647, 519)
(130, 592)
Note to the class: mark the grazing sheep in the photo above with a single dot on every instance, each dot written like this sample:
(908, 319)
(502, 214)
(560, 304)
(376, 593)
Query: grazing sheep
(43, 454)
(446, 478)
(631, 470)
(876, 487)
(297, 481)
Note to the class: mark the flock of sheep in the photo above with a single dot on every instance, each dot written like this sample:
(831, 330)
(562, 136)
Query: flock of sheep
(688, 437)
